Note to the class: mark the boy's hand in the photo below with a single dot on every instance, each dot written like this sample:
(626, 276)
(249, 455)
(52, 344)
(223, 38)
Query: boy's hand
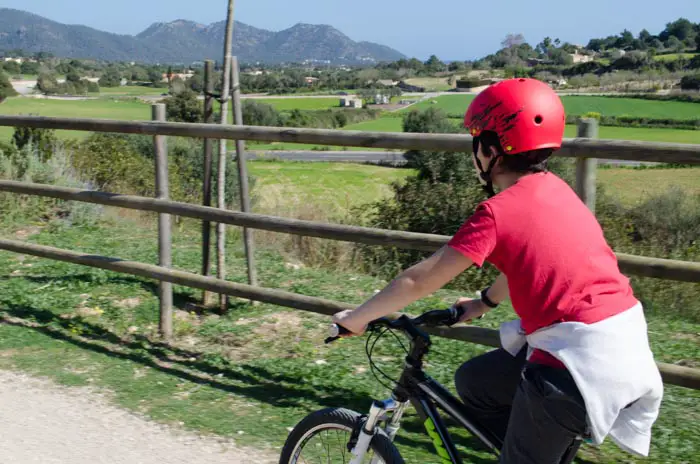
(473, 309)
(346, 319)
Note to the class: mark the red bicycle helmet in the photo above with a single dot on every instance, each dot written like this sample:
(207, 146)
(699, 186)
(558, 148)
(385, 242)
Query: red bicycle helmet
(526, 114)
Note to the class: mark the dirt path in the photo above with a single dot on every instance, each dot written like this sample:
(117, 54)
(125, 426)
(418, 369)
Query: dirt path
(41, 422)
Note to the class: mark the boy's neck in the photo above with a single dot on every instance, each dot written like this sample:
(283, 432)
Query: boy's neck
(508, 179)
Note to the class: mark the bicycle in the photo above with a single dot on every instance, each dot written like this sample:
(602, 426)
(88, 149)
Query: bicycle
(374, 433)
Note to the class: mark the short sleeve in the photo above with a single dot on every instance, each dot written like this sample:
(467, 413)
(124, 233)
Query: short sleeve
(476, 238)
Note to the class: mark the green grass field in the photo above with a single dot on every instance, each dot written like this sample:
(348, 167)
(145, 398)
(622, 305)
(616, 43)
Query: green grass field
(101, 108)
(337, 187)
(131, 91)
(457, 104)
(134, 110)
(674, 56)
(308, 103)
(257, 370)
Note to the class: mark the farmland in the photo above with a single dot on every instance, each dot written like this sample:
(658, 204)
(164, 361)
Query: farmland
(132, 109)
(457, 104)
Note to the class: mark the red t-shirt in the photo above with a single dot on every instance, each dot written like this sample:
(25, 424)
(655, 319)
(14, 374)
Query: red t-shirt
(553, 252)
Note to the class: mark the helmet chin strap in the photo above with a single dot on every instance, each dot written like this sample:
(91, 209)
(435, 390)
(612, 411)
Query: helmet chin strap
(486, 175)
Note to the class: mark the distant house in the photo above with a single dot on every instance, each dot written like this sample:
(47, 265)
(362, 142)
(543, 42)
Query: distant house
(349, 102)
(581, 58)
(380, 99)
(311, 80)
(183, 76)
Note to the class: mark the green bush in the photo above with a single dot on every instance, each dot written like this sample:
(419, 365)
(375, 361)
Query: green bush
(691, 82)
(6, 89)
(126, 164)
(28, 164)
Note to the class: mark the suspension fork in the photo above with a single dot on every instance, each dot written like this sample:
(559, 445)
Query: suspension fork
(378, 412)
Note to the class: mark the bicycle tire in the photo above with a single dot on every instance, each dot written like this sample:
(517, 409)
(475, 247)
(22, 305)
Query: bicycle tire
(341, 418)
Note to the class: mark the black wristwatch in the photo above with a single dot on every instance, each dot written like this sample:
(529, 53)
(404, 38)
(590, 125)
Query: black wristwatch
(486, 299)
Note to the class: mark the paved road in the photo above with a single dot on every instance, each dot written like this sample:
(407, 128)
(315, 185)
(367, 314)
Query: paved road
(397, 158)
(43, 423)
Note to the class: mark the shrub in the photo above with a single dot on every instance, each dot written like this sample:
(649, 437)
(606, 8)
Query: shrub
(691, 82)
(184, 107)
(28, 164)
(6, 89)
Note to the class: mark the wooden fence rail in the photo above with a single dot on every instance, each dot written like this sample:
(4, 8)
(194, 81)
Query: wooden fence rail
(637, 265)
(575, 148)
(672, 374)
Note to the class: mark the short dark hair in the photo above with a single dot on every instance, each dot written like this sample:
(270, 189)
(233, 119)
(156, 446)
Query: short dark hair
(526, 162)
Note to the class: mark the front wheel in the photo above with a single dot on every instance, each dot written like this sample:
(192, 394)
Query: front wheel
(323, 436)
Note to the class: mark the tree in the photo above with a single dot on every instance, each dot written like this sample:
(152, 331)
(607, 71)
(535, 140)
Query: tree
(645, 36)
(155, 77)
(47, 84)
(626, 40)
(196, 83)
(680, 29)
(691, 82)
(513, 40)
(675, 44)
(111, 78)
(6, 89)
(11, 67)
(29, 67)
(561, 57)
(72, 76)
(184, 107)
(543, 47)
(260, 114)
(434, 64)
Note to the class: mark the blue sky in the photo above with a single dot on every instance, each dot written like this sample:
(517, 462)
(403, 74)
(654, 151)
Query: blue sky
(451, 29)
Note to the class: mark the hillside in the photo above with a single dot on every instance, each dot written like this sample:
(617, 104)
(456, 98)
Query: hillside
(185, 41)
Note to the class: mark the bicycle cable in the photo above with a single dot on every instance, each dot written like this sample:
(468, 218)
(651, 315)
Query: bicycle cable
(373, 366)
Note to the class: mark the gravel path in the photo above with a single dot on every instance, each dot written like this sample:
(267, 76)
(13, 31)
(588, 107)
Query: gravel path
(41, 422)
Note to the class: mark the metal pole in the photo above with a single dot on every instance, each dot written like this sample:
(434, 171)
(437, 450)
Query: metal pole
(221, 178)
(206, 194)
(586, 167)
(165, 289)
(243, 173)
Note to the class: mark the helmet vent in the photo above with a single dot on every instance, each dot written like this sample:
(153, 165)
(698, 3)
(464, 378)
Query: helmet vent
(538, 119)
(521, 80)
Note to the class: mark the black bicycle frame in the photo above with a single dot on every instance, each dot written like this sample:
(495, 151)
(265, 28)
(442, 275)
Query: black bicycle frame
(426, 395)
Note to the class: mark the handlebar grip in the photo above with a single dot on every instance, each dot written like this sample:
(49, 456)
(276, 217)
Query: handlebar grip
(335, 332)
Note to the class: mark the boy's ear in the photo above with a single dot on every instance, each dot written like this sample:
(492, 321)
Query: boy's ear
(492, 152)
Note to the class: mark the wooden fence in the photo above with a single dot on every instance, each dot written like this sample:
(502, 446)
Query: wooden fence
(580, 148)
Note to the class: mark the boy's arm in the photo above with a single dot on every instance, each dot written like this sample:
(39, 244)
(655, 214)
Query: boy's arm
(498, 291)
(413, 284)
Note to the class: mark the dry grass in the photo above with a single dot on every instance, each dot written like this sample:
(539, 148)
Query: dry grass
(634, 185)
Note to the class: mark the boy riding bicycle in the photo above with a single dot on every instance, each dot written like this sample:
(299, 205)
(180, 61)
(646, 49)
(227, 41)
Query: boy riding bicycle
(577, 362)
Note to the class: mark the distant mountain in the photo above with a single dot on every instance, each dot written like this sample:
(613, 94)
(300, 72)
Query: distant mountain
(185, 41)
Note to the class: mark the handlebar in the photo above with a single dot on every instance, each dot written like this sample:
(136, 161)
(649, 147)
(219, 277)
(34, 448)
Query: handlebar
(447, 317)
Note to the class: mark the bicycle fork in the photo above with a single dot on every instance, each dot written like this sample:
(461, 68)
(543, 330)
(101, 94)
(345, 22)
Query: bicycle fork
(379, 411)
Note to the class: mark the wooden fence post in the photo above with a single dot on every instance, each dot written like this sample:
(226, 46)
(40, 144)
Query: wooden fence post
(221, 174)
(243, 172)
(207, 297)
(586, 167)
(165, 289)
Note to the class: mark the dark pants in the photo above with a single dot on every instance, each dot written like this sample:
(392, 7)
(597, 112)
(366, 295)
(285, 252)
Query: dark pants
(536, 410)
